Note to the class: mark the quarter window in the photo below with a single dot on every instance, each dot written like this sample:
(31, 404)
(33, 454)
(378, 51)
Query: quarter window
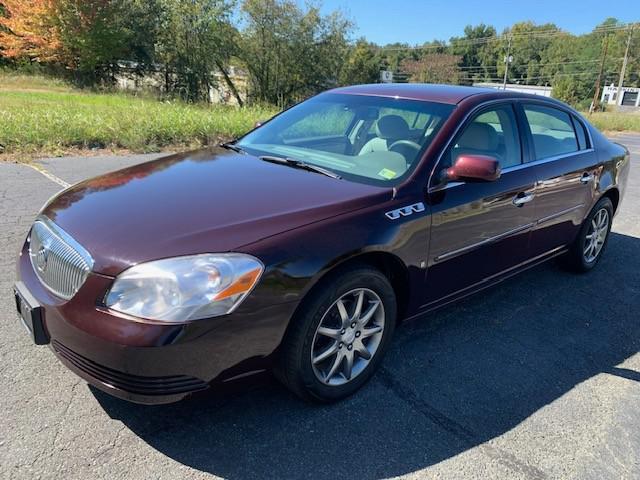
(552, 131)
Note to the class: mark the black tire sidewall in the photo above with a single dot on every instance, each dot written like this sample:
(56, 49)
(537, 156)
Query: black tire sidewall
(311, 316)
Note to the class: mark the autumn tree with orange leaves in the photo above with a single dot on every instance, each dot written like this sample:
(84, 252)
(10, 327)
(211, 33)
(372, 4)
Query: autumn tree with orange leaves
(27, 30)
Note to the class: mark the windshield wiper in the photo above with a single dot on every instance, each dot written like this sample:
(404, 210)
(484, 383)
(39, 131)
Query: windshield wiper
(232, 146)
(301, 165)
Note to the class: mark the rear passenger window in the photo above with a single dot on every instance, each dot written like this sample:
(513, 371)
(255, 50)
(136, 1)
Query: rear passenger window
(582, 136)
(552, 131)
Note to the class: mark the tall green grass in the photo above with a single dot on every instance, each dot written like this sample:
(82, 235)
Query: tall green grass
(42, 116)
(615, 121)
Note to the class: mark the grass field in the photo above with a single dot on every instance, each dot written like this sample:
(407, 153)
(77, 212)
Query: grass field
(615, 122)
(43, 116)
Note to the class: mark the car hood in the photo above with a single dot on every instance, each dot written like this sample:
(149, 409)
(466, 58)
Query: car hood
(206, 201)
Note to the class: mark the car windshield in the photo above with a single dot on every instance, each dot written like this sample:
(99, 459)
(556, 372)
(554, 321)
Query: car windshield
(367, 139)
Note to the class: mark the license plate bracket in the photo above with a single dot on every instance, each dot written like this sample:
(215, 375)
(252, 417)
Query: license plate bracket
(31, 314)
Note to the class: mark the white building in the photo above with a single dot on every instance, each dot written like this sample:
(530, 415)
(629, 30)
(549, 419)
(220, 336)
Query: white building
(630, 97)
(514, 87)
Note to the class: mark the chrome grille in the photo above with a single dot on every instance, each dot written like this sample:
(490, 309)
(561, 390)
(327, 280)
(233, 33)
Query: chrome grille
(61, 264)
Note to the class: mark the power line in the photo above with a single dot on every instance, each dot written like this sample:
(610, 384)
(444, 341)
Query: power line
(540, 65)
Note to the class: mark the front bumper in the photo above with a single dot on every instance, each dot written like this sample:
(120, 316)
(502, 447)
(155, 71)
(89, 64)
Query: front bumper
(150, 363)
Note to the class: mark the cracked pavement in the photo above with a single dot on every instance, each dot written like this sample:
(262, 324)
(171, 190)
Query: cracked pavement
(538, 378)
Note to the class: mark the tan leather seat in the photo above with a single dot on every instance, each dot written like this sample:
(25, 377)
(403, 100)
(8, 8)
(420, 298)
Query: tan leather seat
(389, 129)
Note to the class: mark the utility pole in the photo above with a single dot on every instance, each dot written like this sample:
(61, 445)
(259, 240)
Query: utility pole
(596, 96)
(624, 67)
(507, 60)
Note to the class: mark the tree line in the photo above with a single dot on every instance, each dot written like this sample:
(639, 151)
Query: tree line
(290, 51)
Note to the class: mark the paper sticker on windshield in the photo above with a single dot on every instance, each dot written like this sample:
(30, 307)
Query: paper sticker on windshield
(386, 173)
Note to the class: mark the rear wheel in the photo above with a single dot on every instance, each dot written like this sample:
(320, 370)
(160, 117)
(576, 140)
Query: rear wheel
(590, 244)
(339, 335)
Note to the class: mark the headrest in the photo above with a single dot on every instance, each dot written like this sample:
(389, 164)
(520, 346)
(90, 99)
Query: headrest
(479, 136)
(392, 127)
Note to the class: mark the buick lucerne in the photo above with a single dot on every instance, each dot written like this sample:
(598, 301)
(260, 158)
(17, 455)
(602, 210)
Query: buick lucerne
(299, 247)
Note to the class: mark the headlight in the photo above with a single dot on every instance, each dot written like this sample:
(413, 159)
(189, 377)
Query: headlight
(181, 289)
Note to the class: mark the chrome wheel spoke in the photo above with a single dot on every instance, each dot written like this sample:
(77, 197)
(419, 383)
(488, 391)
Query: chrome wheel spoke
(362, 351)
(343, 344)
(342, 310)
(329, 332)
(367, 332)
(328, 353)
(364, 320)
(348, 365)
(334, 367)
(359, 302)
(596, 236)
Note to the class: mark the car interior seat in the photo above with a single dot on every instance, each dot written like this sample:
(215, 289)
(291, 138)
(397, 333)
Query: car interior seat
(480, 139)
(389, 129)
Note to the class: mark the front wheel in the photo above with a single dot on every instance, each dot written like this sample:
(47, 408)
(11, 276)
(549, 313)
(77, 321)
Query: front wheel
(339, 335)
(590, 244)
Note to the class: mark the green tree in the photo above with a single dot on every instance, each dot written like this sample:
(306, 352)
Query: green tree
(362, 64)
(93, 34)
(529, 43)
(478, 52)
(289, 52)
(433, 68)
(196, 39)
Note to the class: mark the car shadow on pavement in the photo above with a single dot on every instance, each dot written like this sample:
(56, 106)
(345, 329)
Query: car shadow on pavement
(451, 381)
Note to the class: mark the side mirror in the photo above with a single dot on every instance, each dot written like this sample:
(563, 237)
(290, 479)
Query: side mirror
(474, 167)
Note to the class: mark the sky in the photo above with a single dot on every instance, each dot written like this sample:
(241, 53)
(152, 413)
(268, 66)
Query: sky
(416, 21)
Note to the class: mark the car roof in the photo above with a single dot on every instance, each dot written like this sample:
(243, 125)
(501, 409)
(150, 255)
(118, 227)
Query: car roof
(450, 94)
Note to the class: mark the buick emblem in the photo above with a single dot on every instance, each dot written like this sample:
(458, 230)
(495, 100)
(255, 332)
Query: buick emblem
(42, 257)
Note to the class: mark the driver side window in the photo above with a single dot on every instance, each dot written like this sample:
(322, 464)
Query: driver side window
(494, 133)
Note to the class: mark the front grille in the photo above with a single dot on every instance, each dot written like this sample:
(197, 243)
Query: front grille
(171, 385)
(61, 264)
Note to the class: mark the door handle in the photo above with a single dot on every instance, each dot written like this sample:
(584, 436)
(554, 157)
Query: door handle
(586, 178)
(523, 197)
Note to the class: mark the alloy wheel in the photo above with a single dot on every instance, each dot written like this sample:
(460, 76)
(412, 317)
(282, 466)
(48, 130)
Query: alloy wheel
(348, 337)
(596, 235)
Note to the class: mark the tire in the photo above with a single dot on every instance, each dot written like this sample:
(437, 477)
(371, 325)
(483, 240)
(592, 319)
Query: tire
(310, 380)
(580, 258)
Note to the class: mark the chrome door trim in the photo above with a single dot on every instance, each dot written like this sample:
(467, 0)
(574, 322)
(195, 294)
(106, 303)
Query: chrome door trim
(486, 241)
(488, 281)
(547, 160)
(559, 214)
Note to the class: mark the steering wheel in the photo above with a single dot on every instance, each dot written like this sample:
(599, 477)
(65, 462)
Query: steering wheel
(406, 148)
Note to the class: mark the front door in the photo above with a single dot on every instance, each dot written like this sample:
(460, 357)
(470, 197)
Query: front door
(480, 229)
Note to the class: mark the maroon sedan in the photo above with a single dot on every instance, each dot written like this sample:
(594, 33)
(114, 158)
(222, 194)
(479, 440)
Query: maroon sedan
(299, 247)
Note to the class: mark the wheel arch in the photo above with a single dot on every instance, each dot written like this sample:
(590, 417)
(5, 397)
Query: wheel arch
(390, 265)
(614, 195)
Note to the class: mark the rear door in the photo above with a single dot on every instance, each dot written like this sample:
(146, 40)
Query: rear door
(480, 229)
(567, 169)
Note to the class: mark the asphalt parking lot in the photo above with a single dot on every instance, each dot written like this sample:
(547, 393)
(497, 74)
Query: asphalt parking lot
(537, 378)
